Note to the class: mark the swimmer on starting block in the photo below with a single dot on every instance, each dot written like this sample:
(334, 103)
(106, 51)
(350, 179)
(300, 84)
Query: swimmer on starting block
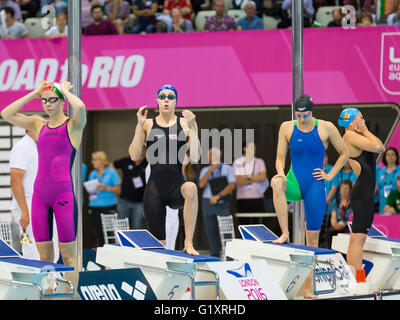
(308, 139)
(57, 142)
(165, 138)
(363, 147)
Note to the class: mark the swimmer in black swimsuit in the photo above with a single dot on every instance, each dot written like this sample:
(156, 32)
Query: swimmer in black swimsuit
(167, 138)
(363, 148)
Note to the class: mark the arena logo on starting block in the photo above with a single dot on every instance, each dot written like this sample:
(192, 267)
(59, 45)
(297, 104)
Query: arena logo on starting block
(390, 62)
(123, 284)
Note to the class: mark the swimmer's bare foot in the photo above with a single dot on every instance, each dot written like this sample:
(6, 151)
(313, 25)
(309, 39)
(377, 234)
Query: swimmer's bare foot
(284, 238)
(189, 249)
(309, 294)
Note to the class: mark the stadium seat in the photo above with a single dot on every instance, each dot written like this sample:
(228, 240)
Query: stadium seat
(35, 28)
(324, 15)
(201, 18)
(236, 14)
(270, 22)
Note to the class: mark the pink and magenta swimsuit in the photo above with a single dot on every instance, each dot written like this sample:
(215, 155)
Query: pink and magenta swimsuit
(53, 189)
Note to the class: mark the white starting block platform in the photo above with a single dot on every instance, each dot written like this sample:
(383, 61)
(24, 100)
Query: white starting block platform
(291, 263)
(172, 274)
(26, 279)
(381, 258)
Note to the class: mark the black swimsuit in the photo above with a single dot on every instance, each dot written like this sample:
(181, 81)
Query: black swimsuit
(166, 148)
(362, 194)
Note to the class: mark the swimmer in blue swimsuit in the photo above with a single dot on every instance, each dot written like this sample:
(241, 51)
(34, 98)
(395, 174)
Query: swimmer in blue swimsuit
(308, 139)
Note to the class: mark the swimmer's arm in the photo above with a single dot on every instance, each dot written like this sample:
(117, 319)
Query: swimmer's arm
(366, 141)
(12, 115)
(189, 122)
(282, 148)
(338, 143)
(331, 194)
(136, 147)
(78, 119)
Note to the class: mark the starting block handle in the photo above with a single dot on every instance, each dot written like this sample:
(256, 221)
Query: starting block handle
(210, 283)
(183, 273)
(332, 274)
(23, 284)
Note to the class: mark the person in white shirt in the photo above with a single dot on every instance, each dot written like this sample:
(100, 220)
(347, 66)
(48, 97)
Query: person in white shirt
(252, 181)
(23, 168)
(60, 29)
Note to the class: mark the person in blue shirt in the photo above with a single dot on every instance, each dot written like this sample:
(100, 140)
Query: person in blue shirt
(104, 199)
(250, 21)
(215, 198)
(308, 13)
(386, 177)
(345, 174)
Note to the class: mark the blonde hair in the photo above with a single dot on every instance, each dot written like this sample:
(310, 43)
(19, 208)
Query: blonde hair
(101, 155)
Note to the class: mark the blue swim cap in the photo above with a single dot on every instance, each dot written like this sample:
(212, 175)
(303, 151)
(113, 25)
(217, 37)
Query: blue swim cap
(347, 116)
(168, 87)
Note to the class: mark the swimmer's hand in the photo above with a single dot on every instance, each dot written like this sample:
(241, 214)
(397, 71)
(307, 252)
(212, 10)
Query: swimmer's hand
(38, 91)
(190, 117)
(142, 115)
(65, 86)
(320, 174)
(280, 175)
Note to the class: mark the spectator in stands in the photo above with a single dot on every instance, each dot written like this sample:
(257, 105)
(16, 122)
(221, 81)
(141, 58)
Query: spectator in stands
(184, 5)
(386, 177)
(251, 178)
(307, 14)
(218, 182)
(179, 24)
(365, 20)
(130, 202)
(100, 26)
(221, 21)
(345, 174)
(270, 9)
(59, 5)
(393, 19)
(337, 16)
(30, 6)
(104, 199)
(393, 201)
(14, 6)
(360, 5)
(60, 29)
(145, 12)
(118, 12)
(15, 29)
(240, 4)
(250, 21)
(340, 214)
(87, 18)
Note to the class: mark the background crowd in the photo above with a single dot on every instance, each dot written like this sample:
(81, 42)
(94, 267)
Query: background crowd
(105, 17)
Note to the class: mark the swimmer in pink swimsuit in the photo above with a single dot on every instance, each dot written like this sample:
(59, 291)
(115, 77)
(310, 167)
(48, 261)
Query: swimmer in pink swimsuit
(58, 139)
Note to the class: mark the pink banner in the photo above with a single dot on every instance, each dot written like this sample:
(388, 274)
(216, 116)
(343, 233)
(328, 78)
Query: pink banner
(388, 224)
(212, 69)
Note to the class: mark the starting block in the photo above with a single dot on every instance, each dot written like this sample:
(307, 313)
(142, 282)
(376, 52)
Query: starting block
(381, 257)
(172, 274)
(291, 263)
(25, 278)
